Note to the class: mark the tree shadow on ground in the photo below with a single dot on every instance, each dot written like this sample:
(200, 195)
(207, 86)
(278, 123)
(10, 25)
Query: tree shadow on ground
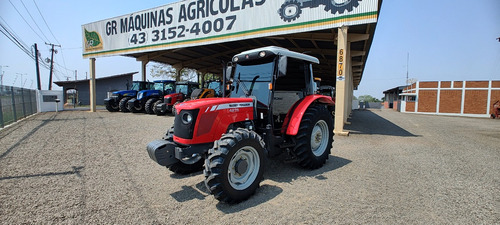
(367, 122)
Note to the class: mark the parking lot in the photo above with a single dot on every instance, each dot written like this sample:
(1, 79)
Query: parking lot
(78, 167)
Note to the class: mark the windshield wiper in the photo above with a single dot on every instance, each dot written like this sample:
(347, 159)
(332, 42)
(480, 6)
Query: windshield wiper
(238, 82)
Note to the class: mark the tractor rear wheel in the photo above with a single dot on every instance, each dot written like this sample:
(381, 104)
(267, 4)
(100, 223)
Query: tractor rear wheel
(234, 166)
(155, 111)
(123, 104)
(187, 165)
(148, 107)
(314, 138)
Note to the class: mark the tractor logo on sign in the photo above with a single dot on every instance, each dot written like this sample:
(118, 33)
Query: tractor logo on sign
(291, 9)
(92, 41)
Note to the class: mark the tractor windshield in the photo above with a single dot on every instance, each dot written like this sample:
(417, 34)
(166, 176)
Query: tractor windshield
(167, 87)
(253, 80)
(181, 88)
(216, 85)
(139, 86)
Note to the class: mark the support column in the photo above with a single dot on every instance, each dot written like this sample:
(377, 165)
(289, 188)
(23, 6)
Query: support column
(349, 83)
(178, 67)
(92, 85)
(341, 86)
(144, 63)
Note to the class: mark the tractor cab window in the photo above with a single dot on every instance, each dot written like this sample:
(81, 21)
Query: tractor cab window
(137, 86)
(181, 89)
(297, 77)
(215, 85)
(253, 80)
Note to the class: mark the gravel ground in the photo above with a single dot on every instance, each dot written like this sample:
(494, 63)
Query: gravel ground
(79, 167)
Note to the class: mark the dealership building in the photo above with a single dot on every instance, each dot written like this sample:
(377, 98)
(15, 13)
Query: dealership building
(451, 98)
(203, 35)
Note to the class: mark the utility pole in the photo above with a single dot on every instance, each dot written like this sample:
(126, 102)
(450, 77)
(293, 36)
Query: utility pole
(22, 86)
(1, 74)
(39, 84)
(52, 62)
(76, 77)
(407, 61)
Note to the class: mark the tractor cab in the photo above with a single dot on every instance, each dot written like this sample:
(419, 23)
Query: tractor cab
(276, 79)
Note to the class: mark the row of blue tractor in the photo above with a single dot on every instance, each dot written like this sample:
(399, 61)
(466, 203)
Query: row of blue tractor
(159, 97)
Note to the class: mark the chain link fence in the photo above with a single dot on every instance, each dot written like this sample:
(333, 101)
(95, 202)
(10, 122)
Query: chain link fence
(16, 103)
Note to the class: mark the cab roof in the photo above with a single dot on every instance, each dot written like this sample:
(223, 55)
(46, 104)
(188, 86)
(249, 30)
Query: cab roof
(281, 51)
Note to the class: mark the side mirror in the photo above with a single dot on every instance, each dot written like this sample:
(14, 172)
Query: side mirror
(229, 70)
(282, 66)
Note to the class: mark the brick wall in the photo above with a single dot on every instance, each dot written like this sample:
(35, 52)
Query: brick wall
(476, 101)
(467, 98)
(450, 101)
(427, 101)
(410, 106)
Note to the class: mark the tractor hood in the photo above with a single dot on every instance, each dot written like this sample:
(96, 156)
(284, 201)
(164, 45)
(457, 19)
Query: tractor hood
(211, 104)
(125, 93)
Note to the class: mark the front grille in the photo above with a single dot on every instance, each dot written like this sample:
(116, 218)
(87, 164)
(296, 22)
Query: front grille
(183, 130)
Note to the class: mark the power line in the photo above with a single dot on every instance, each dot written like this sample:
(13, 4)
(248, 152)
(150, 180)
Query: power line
(46, 24)
(33, 19)
(12, 31)
(50, 30)
(25, 20)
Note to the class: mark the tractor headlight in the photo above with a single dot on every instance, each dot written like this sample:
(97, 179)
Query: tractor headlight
(139, 96)
(187, 118)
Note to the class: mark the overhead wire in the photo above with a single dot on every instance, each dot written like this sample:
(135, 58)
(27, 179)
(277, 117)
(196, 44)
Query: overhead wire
(25, 20)
(50, 30)
(33, 20)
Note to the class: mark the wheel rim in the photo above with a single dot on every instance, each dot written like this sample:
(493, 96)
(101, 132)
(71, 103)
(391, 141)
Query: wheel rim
(290, 11)
(319, 138)
(243, 168)
(340, 2)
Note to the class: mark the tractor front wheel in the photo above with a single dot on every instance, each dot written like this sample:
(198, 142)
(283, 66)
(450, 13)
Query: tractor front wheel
(135, 108)
(112, 106)
(234, 166)
(314, 138)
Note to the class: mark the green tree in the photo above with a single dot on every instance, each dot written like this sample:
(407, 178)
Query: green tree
(163, 71)
(368, 98)
(168, 72)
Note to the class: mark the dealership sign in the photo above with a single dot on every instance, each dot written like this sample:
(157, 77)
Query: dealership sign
(200, 22)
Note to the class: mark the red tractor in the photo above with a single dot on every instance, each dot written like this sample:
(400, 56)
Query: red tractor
(272, 110)
(496, 110)
(183, 90)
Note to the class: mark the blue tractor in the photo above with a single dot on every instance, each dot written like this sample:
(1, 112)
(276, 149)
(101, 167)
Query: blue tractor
(146, 99)
(118, 100)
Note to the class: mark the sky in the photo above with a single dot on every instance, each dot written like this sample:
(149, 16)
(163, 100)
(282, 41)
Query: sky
(445, 40)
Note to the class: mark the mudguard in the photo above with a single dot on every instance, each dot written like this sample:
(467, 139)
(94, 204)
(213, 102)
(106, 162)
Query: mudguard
(295, 114)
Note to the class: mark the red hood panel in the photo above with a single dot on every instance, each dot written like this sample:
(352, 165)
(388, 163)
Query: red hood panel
(210, 102)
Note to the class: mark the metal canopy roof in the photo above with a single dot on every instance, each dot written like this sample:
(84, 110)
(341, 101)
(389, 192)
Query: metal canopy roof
(320, 44)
